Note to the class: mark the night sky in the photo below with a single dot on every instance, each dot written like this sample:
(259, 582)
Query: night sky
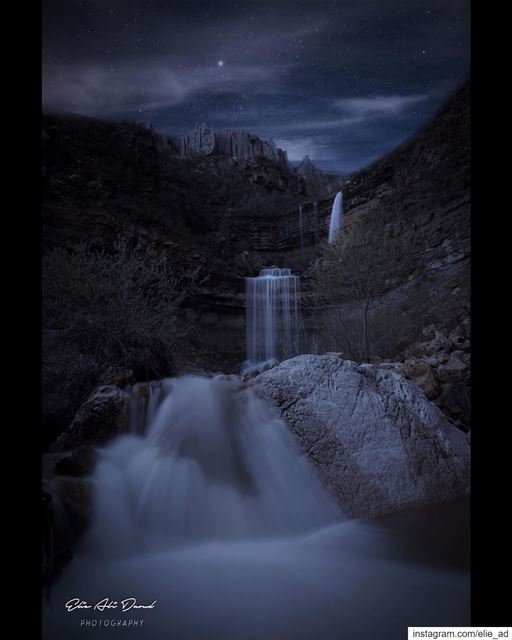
(343, 81)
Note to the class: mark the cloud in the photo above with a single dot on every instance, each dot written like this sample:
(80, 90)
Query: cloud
(93, 89)
(298, 148)
(379, 105)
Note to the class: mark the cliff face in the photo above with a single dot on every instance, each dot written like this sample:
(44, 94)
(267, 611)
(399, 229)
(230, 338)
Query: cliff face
(418, 200)
(232, 143)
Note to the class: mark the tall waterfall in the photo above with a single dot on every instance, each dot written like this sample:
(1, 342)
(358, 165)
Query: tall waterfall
(336, 217)
(273, 316)
(301, 227)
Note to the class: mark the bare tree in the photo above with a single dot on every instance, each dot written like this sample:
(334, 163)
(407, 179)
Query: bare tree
(353, 269)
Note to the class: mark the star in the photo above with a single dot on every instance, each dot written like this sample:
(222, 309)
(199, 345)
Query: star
(220, 63)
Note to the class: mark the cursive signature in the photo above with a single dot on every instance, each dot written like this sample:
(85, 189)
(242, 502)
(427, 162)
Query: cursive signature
(107, 603)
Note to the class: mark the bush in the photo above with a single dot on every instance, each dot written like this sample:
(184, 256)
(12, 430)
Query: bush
(104, 309)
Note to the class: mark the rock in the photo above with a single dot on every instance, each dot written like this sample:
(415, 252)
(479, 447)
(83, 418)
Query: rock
(466, 358)
(67, 509)
(102, 416)
(74, 495)
(429, 332)
(377, 441)
(442, 356)
(421, 372)
(429, 383)
(200, 141)
(393, 366)
(415, 367)
(435, 361)
(437, 344)
(458, 338)
(233, 143)
(466, 325)
(452, 370)
(455, 400)
(141, 390)
(81, 462)
(117, 376)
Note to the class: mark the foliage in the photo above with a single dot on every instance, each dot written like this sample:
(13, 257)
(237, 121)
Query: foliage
(352, 272)
(105, 309)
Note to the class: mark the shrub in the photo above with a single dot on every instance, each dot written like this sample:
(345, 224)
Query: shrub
(102, 309)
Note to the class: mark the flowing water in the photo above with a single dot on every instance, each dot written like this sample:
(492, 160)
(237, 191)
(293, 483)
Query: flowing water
(273, 317)
(209, 514)
(336, 217)
(301, 227)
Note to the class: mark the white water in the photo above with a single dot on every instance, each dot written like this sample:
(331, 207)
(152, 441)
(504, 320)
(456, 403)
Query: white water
(215, 463)
(273, 317)
(301, 227)
(336, 217)
(212, 511)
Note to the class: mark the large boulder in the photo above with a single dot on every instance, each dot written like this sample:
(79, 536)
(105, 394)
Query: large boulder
(102, 416)
(377, 441)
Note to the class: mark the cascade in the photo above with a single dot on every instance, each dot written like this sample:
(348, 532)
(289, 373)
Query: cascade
(336, 217)
(273, 316)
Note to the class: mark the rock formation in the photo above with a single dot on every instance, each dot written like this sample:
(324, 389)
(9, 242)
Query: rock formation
(441, 365)
(233, 143)
(103, 416)
(377, 441)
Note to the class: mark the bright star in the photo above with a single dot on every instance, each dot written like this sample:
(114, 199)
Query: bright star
(220, 63)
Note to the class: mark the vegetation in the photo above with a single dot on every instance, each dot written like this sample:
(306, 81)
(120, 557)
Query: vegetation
(350, 281)
(105, 310)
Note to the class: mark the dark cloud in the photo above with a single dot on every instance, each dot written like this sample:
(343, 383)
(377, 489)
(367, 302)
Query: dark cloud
(343, 81)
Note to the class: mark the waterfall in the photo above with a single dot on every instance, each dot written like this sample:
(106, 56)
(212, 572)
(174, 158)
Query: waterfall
(209, 518)
(273, 317)
(336, 217)
(301, 226)
(215, 462)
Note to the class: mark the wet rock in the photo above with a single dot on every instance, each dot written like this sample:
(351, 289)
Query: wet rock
(80, 463)
(141, 390)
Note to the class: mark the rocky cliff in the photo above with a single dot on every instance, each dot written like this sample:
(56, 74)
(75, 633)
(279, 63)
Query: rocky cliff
(232, 143)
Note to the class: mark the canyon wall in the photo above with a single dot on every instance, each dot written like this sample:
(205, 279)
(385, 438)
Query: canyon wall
(233, 143)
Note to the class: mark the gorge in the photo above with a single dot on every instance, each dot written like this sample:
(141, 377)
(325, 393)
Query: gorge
(299, 487)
